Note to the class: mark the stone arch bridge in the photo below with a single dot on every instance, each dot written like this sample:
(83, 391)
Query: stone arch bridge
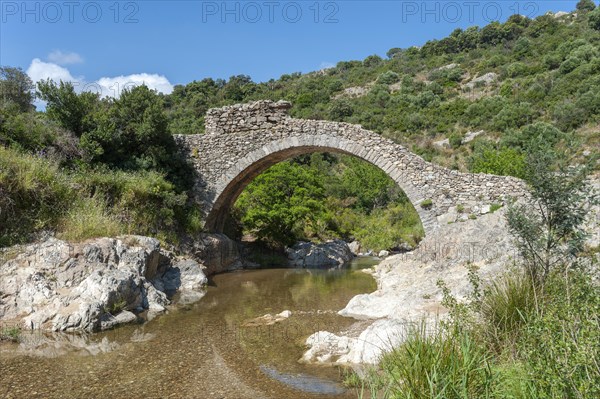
(242, 141)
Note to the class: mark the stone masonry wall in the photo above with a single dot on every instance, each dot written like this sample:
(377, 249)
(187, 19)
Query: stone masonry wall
(245, 117)
(244, 140)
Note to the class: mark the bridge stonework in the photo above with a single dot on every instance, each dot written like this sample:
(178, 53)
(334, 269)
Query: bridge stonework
(242, 141)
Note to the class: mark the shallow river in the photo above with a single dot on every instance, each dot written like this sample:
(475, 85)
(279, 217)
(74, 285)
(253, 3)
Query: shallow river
(211, 349)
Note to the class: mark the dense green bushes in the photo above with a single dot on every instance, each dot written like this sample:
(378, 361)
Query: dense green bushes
(323, 196)
(34, 195)
(282, 203)
(37, 194)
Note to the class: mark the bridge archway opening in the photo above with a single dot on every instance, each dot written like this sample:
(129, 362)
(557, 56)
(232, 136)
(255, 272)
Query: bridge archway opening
(220, 219)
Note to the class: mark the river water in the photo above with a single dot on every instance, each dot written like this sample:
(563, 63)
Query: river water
(215, 348)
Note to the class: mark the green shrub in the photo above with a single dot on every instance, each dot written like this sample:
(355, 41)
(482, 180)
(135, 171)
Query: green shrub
(502, 162)
(38, 195)
(88, 218)
(144, 201)
(388, 78)
(569, 65)
(34, 195)
(10, 334)
(278, 204)
(455, 140)
(426, 204)
(594, 19)
(389, 227)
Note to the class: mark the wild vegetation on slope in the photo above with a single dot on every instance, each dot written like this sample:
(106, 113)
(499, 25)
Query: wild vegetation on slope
(499, 79)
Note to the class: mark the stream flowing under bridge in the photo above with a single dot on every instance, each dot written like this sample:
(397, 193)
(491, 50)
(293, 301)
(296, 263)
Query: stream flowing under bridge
(242, 141)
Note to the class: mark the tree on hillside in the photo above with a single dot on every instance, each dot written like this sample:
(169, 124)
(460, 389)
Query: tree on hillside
(585, 5)
(132, 133)
(594, 19)
(548, 230)
(238, 88)
(72, 111)
(394, 52)
(16, 88)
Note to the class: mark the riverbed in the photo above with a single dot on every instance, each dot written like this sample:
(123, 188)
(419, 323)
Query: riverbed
(219, 347)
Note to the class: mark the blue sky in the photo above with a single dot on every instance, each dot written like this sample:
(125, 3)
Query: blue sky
(164, 43)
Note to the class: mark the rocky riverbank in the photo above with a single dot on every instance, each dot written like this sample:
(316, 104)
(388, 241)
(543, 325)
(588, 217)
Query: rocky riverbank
(407, 291)
(95, 285)
(328, 254)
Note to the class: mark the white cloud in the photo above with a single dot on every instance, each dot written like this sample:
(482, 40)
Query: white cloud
(60, 58)
(40, 70)
(106, 86)
(114, 86)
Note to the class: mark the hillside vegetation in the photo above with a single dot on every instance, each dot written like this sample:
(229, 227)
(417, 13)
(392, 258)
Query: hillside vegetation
(487, 91)
(501, 79)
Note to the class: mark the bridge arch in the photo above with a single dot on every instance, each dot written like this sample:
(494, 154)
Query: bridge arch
(243, 140)
(237, 178)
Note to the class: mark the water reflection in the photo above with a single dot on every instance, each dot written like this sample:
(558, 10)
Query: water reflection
(303, 382)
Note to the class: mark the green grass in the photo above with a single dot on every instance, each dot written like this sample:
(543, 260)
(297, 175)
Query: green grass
(426, 204)
(36, 194)
(516, 340)
(507, 305)
(442, 364)
(386, 228)
(90, 217)
(494, 207)
(438, 365)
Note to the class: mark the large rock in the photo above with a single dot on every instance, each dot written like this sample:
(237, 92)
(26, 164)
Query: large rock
(217, 252)
(381, 336)
(328, 254)
(91, 286)
(354, 247)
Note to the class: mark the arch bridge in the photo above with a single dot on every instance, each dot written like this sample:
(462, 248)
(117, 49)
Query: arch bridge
(242, 141)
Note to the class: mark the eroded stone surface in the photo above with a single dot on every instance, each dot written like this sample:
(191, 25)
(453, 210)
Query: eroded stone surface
(407, 293)
(91, 286)
(328, 254)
